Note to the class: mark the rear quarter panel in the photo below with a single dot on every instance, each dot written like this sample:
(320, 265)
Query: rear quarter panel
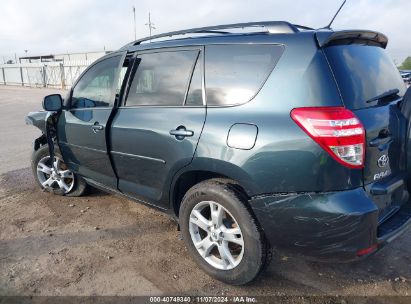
(284, 158)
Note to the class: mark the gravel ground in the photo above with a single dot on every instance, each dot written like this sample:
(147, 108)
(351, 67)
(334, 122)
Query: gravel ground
(103, 244)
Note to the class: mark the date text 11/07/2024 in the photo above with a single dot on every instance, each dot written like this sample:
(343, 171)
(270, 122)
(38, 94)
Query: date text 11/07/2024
(205, 299)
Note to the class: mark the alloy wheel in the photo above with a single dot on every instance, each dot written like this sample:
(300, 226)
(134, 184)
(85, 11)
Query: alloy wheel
(216, 235)
(59, 178)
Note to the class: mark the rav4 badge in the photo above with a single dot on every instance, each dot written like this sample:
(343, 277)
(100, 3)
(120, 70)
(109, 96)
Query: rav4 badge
(381, 174)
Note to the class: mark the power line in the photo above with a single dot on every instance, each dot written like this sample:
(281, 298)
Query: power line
(134, 18)
(150, 24)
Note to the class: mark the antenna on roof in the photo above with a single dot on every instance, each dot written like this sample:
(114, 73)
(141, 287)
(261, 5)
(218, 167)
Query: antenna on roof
(336, 14)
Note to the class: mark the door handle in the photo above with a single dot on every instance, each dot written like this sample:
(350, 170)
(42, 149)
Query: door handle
(381, 143)
(97, 127)
(180, 133)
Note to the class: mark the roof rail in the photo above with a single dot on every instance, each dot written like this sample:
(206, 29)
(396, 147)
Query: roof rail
(273, 27)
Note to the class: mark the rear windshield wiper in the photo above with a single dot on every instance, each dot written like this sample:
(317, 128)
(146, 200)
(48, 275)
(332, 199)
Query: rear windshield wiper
(384, 95)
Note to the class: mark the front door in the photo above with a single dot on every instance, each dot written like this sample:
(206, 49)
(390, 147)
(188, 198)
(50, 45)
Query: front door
(82, 131)
(155, 133)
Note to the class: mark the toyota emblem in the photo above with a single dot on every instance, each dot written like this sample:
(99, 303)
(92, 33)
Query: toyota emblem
(383, 161)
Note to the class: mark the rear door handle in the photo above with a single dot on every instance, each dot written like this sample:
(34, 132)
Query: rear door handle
(181, 132)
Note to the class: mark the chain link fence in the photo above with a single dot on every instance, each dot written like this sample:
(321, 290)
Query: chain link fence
(46, 74)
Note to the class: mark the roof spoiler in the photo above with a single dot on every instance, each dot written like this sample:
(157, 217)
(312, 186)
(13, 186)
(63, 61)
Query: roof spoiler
(328, 38)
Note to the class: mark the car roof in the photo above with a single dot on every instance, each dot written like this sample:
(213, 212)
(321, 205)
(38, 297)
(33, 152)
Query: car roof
(272, 32)
(261, 32)
(273, 27)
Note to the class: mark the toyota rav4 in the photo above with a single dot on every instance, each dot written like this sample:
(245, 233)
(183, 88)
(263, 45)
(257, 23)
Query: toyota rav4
(286, 137)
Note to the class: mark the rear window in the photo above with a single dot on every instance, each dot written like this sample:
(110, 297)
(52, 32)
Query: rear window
(235, 73)
(362, 73)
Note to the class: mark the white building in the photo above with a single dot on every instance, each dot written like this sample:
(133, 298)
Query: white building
(85, 56)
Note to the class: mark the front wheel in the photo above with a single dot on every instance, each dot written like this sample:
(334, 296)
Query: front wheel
(220, 233)
(56, 178)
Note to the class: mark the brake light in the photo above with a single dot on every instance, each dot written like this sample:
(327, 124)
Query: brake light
(337, 130)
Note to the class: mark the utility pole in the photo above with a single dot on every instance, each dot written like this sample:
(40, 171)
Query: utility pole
(134, 18)
(150, 24)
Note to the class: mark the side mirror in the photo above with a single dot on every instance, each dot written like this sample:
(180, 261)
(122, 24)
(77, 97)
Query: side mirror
(53, 102)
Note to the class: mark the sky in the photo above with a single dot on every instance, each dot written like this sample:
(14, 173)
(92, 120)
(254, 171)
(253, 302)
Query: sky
(67, 26)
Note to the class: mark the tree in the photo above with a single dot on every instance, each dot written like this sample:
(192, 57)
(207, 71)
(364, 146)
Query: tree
(406, 65)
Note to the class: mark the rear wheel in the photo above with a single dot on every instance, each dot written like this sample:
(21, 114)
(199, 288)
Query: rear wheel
(54, 176)
(221, 234)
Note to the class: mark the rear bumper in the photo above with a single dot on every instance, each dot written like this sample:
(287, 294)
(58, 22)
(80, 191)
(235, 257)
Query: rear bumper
(395, 226)
(331, 226)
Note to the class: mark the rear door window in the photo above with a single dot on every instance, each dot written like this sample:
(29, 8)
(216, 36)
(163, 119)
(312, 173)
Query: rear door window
(362, 73)
(162, 78)
(235, 73)
(195, 91)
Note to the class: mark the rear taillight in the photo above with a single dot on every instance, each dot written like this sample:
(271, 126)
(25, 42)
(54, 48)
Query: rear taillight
(337, 130)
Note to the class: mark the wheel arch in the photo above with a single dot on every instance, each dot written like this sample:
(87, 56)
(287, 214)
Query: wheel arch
(205, 170)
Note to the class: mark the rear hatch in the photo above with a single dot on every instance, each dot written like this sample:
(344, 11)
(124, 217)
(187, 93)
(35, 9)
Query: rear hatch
(372, 88)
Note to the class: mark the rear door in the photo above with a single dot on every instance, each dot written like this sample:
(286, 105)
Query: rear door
(371, 86)
(156, 131)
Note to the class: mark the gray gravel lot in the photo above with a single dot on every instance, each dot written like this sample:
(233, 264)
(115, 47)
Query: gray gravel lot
(103, 244)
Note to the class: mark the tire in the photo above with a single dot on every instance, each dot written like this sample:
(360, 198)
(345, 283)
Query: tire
(40, 163)
(246, 261)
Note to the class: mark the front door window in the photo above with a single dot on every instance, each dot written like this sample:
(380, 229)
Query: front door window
(95, 88)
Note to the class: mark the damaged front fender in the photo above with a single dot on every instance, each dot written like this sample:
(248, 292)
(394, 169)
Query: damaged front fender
(47, 123)
(37, 119)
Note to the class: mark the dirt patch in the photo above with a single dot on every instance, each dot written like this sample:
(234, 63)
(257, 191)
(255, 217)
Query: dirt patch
(103, 244)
